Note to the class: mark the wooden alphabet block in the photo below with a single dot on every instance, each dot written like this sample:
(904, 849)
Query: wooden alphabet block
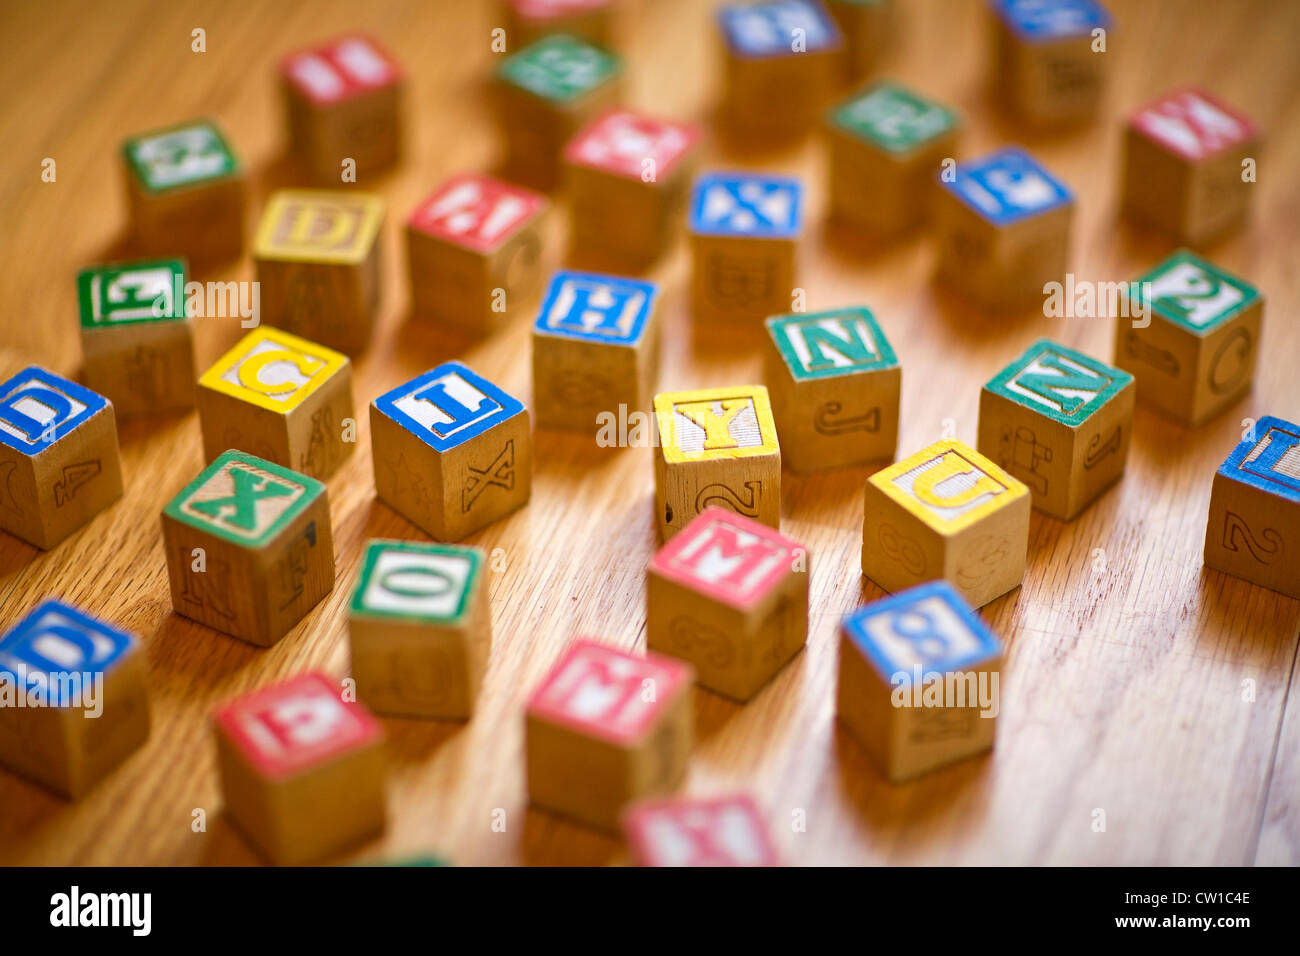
(695, 831)
(919, 680)
(421, 628)
(1061, 422)
(73, 695)
(729, 595)
(605, 728)
(317, 256)
(452, 452)
(249, 550)
(946, 512)
(281, 398)
(1047, 63)
(834, 383)
(1253, 529)
(302, 769)
(527, 21)
(868, 27)
(717, 446)
(59, 458)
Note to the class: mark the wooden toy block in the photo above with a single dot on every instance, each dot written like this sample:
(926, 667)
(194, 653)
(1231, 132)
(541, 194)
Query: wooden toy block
(695, 831)
(59, 458)
(595, 348)
(302, 769)
(919, 680)
(421, 628)
(1253, 529)
(343, 100)
(717, 446)
(318, 262)
(605, 728)
(729, 595)
(1004, 229)
(73, 695)
(527, 21)
(1061, 422)
(886, 145)
(628, 176)
(868, 27)
(743, 231)
(1195, 353)
(1045, 62)
(834, 383)
(475, 249)
(1185, 159)
(281, 398)
(452, 452)
(946, 512)
(186, 191)
(248, 546)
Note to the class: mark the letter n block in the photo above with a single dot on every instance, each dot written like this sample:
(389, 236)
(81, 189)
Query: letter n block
(605, 728)
(1045, 66)
(695, 831)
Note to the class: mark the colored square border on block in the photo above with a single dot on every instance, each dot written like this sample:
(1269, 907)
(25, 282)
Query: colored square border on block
(1009, 488)
(435, 560)
(638, 298)
(762, 30)
(263, 341)
(1255, 461)
(986, 184)
(95, 285)
(1038, 22)
(65, 623)
(33, 388)
(765, 426)
(1167, 306)
(285, 206)
(401, 402)
(1004, 383)
(749, 198)
(866, 115)
(792, 350)
(620, 141)
(1170, 119)
(222, 166)
(341, 69)
(475, 212)
(712, 841)
(531, 68)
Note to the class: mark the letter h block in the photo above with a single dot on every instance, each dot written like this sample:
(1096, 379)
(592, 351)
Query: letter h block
(1047, 69)
(693, 831)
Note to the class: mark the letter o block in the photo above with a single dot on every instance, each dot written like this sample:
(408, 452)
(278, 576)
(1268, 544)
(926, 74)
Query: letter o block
(1047, 69)
(690, 831)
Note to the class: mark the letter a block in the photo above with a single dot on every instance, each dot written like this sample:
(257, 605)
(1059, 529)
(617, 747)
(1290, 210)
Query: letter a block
(83, 684)
(946, 512)
(605, 728)
(59, 458)
(1061, 422)
(1253, 531)
(919, 680)
(452, 452)
(302, 770)
(248, 546)
(689, 831)
(1046, 65)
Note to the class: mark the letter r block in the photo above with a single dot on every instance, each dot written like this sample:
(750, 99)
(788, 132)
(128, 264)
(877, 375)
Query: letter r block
(690, 831)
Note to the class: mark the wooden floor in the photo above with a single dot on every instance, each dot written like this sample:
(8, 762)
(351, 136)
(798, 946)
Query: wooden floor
(1124, 689)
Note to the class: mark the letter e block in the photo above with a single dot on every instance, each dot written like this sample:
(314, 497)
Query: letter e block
(694, 831)
(1046, 69)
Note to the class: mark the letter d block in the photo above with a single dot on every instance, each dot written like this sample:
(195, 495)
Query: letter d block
(1046, 67)
(91, 685)
(248, 545)
(686, 831)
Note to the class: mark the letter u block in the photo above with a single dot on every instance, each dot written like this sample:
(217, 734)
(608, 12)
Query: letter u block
(946, 512)
(1046, 67)
(694, 831)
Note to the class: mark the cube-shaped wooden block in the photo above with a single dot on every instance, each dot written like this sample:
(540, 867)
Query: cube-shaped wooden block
(249, 549)
(317, 255)
(595, 348)
(1061, 422)
(605, 728)
(76, 704)
(1194, 353)
(868, 27)
(1189, 166)
(1003, 224)
(281, 398)
(834, 383)
(452, 452)
(946, 512)
(744, 229)
(302, 769)
(1253, 530)
(729, 595)
(421, 628)
(186, 191)
(527, 21)
(698, 831)
(1049, 60)
(475, 249)
(919, 680)
(59, 459)
(717, 446)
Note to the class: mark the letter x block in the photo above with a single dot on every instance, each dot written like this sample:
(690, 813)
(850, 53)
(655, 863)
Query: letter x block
(88, 684)
(1045, 66)
(946, 512)
(248, 547)
(59, 458)
(605, 728)
(1061, 422)
(527, 21)
(694, 831)
(452, 452)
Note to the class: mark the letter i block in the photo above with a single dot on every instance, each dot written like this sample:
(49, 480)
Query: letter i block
(452, 452)
(919, 680)
(527, 21)
(1253, 530)
(248, 547)
(595, 347)
(730, 596)
(59, 458)
(302, 770)
(1061, 422)
(868, 28)
(1047, 69)
(690, 831)
(946, 512)
(834, 382)
(86, 709)
(606, 728)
